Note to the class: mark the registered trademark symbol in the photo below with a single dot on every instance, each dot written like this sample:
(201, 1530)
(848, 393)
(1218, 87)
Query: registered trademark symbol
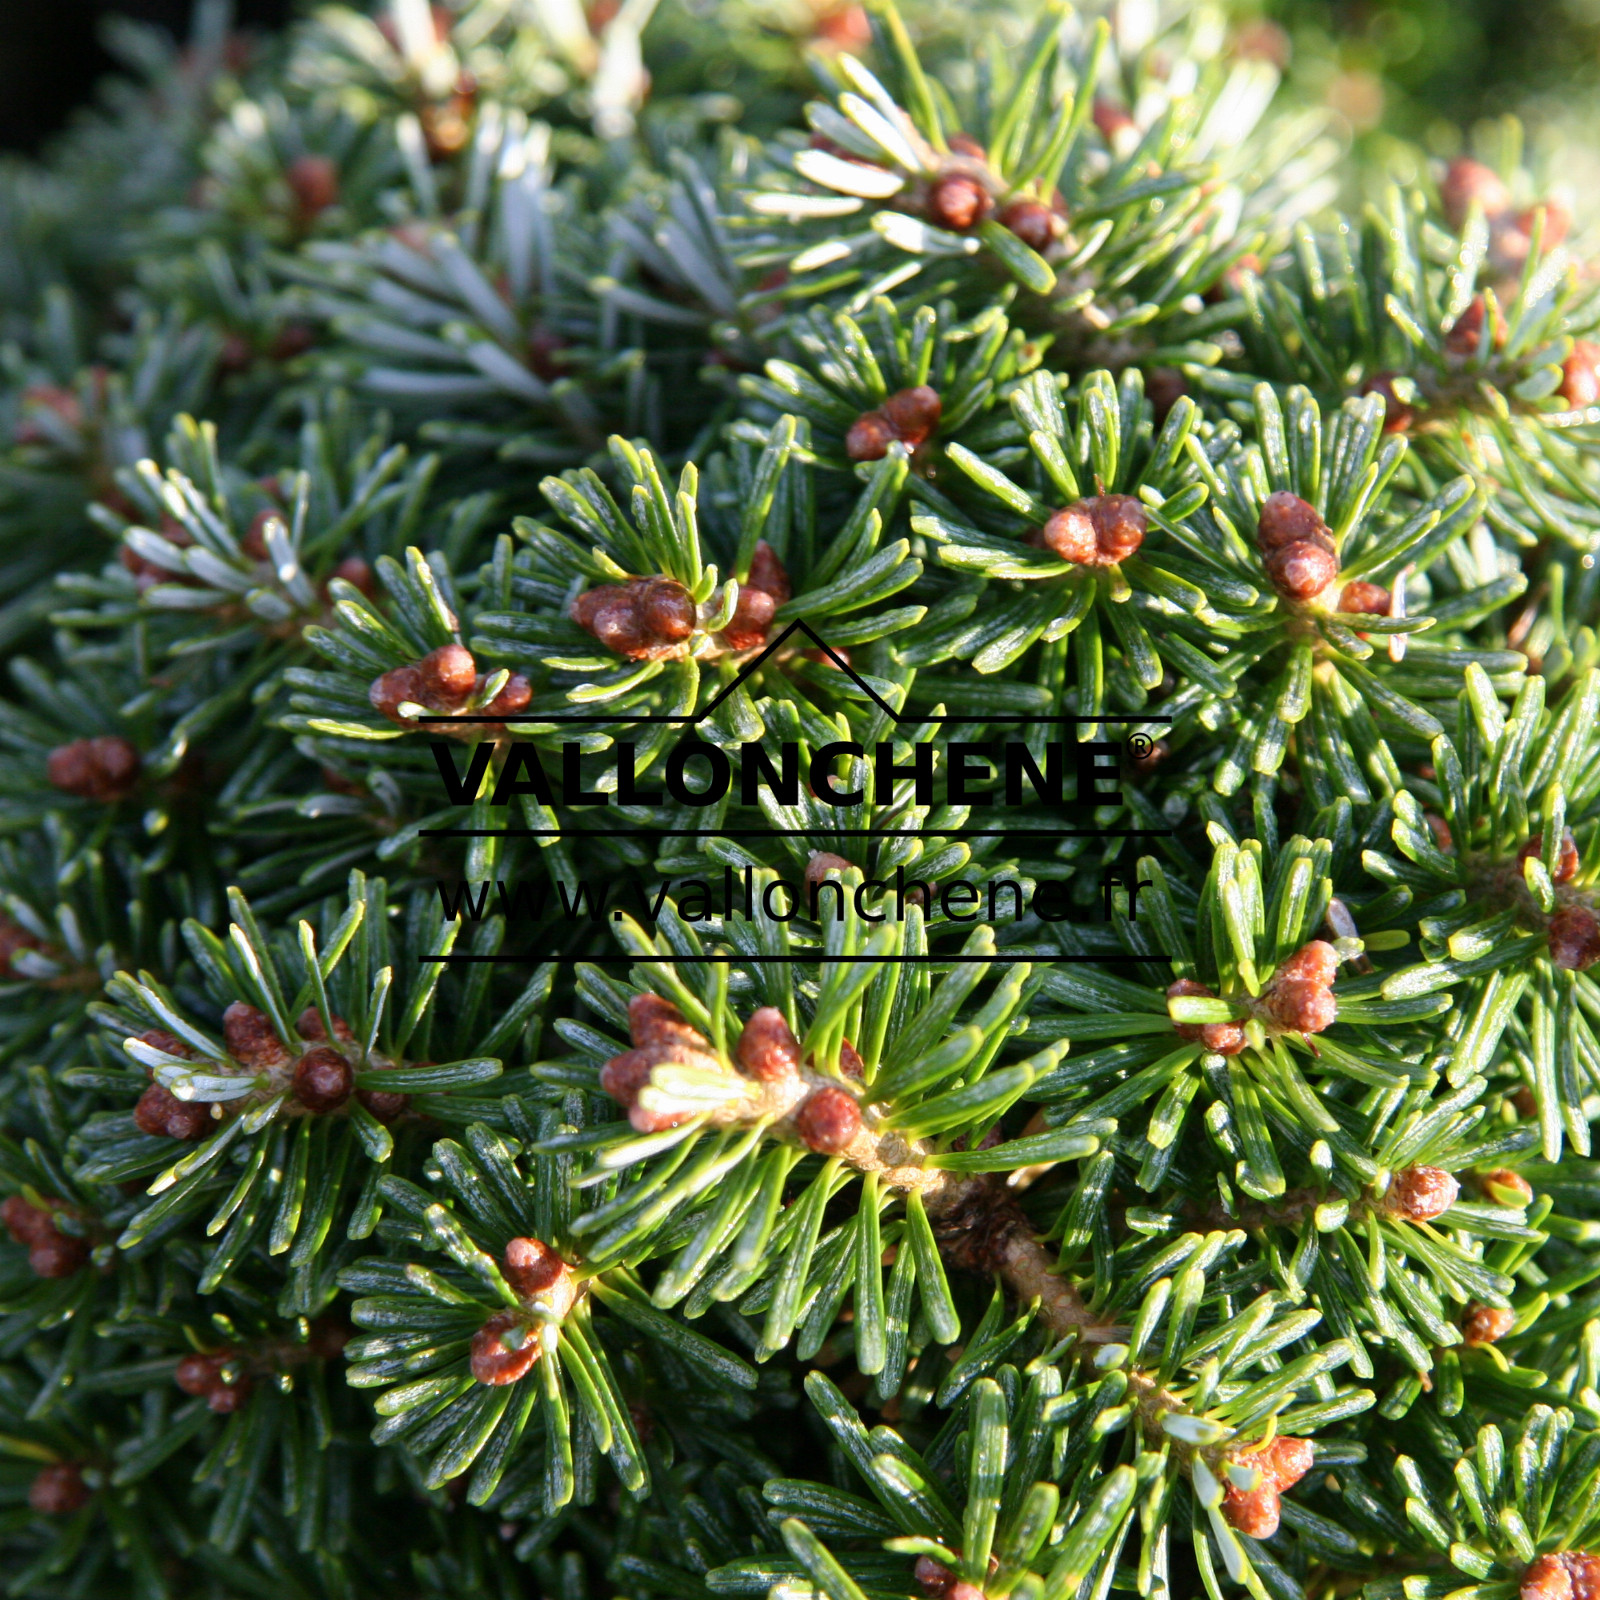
(1140, 745)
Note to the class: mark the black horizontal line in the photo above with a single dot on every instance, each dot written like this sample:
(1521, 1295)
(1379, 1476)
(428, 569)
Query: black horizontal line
(794, 960)
(804, 833)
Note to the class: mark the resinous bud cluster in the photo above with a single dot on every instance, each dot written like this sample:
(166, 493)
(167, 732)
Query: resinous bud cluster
(444, 682)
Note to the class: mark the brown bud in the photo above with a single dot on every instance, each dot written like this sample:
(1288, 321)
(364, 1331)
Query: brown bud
(447, 675)
(1069, 535)
(59, 1256)
(1465, 334)
(1574, 938)
(531, 1267)
(1316, 962)
(850, 1062)
(823, 865)
(914, 413)
(323, 1080)
(623, 1076)
(314, 182)
(1033, 223)
(1301, 571)
(394, 688)
(14, 938)
(1506, 1188)
(1365, 599)
(386, 1105)
(1440, 829)
(58, 1490)
(957, 201)
(514, 696)
(1297, 1005)
(1111, 120)
(105, 769)
(1547, 1578)
(752, 616)
(1285, 1461)
(1580, 375)
(1221, 1038)
(493, 1361)
(26, 1223)
(1397, 415)
(250, 1038)
(1164, 387)
(254, 542)
(1419, 1194)
(1482, 1324)
(1467, 180)
(652, 1020)
(767, 1049)
(963, 144)
(309, 1026)
(227, 1396)
(1119, 526)
(355, 571)
(935, 1578)
(1287, 520)
(1253, 1512)
(1567, 860)
(869, 437)
(767, 573)
(828, 1121)
(163, 1115)
(196, 1374)
(667, 610)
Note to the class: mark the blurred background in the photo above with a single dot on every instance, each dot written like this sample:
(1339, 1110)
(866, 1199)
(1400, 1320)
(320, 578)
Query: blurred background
(1420, 71)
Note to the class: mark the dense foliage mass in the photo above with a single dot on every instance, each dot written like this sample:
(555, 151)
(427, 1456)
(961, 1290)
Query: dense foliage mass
(1059, 1059)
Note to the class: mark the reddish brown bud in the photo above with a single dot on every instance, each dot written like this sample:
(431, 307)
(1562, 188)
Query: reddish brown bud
(667, 610)
(356, 572)
(104, 769)
(14, 938)
(447, 674)
(934, 1576)
(26, 1223)
(1365, 599)
(1111, 119)
(767, 573)
(1580, 375)
(652, 1020)
(1221, 1038)
(314, 182)
(494, 1361)
(914, 413)
(1574, 938)
(250, 1038)
(163, 1115)
(623, 1076)
(1504, 1187)
(1287, 520)
(1253, 1512)
(1164, 387)
(767, 1049)
(195, 1374)
(1301, 571)
(58, 1490)
(1465, 334)
(752, 616)
(1033, 223)
(309, 1026)
(1297, 1005)
(828, 1121)
(1397, 415)
(386, 1105)
(1119, 526)
(323, 1080)
(850, 1062)
(513, 697)
(254, 542)
(396, 687)
(1316, 962)
(531, 1267)
(1547, 1578)
(1285, 1461)
(823, 865)
(1069, 535)
(1567, 860)
(1486, 1324)
(963, 144)
(869, 437)
(1419, 1194)
(1441, 832)
(957, 201)
(59, 1256)
(227, 1397)
(1467, 180)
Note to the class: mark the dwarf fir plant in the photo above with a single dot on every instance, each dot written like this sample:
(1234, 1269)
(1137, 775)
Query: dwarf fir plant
(798, 801)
